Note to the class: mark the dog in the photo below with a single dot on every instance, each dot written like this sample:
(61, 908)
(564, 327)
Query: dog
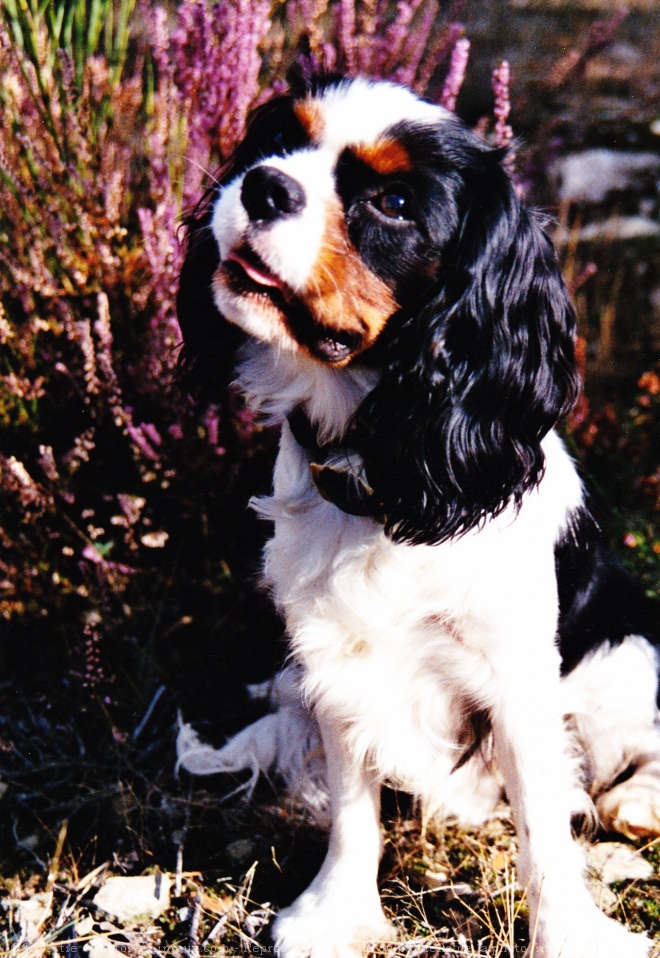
(454, 620)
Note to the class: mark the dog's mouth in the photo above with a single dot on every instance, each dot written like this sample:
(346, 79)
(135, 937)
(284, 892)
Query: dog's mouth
(249, 275)
(333, 346)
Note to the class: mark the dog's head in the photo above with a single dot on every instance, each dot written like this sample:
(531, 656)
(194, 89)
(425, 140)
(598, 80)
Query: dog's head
(357, 223)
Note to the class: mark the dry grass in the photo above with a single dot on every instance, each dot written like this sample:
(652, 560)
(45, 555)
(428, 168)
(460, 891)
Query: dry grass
(449, 891)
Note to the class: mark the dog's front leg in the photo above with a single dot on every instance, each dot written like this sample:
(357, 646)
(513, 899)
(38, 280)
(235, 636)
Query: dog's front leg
(530, 749)
(340, 912)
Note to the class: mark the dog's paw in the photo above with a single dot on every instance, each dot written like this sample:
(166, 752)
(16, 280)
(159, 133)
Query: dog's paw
(314, 928)
(592, 936)
(632, 808)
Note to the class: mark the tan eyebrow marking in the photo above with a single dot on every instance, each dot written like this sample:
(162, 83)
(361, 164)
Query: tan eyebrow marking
(386, 156)
(310, 115)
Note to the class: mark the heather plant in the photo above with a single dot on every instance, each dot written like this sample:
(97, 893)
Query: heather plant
(96, 434)
(82, 29)
(103, 145)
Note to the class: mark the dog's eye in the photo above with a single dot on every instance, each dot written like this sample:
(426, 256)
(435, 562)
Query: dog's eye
(279, 144)
(394, 204)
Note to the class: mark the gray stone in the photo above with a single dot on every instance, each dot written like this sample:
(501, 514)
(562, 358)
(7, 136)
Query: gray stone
(609, 862)
(132, 898)
(100, 948)
(591, 175)
(30, 913)
(616, 861)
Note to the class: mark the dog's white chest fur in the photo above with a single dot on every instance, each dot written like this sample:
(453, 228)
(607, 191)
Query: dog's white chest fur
(397, 640)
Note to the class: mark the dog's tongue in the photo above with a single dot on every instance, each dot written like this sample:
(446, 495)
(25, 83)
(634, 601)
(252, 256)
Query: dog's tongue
(260, 276)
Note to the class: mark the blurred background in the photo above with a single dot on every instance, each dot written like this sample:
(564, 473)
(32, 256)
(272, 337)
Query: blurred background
(128, 559)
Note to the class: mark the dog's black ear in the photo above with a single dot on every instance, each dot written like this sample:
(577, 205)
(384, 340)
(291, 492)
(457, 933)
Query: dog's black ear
(209, 341)
(476, 375)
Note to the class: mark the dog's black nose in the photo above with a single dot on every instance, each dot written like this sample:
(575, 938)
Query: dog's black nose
(269, 194)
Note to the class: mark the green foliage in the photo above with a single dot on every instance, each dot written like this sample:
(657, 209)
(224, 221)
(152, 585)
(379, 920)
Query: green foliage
(82, 28)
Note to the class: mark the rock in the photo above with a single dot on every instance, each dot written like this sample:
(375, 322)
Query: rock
(619, 62)
(128, 899)
(591, 175)
(619, 229)
(616, 861)
(609, 862)
(30, 913)
(100, 948)
(433, 879)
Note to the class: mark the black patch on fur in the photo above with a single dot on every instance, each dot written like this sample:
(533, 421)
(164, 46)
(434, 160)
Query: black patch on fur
(599, 600)
(406, 253)
(210, 342)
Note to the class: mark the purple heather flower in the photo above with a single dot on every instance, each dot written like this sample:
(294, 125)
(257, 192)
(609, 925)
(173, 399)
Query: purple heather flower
(502, 108)
(456, 73)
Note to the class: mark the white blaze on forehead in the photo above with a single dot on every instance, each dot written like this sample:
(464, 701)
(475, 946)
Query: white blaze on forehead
(291, 246)
(360, 111)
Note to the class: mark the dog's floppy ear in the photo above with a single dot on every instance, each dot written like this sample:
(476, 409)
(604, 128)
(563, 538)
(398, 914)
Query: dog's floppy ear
(209, 341)
(476, 375)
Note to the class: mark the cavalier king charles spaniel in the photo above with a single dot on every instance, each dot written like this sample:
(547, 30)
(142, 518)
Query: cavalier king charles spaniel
(456, 626)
